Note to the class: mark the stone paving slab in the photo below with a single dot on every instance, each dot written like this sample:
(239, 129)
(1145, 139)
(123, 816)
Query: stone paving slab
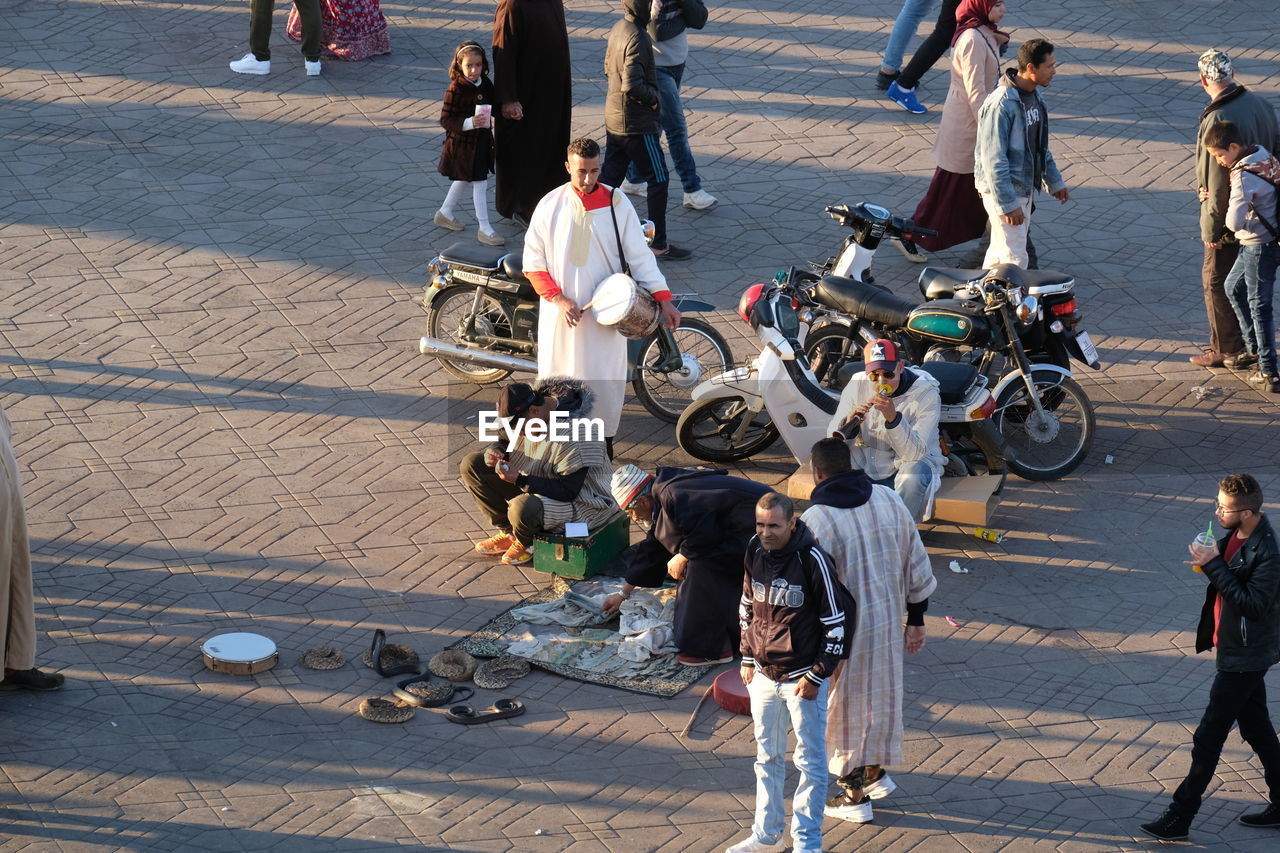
(209, 295)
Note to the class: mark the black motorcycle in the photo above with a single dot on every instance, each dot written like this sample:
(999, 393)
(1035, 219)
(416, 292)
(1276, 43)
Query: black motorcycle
(1044, 416)
(1052, 336)
(482, 325)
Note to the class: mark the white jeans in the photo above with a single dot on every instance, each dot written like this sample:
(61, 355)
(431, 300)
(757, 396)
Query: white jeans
(1008, 242)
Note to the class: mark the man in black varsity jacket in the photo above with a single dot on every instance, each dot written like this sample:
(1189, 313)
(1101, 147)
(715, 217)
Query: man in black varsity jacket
(794, 616)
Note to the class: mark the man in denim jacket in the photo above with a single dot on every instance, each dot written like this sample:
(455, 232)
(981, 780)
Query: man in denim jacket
(1012, 157)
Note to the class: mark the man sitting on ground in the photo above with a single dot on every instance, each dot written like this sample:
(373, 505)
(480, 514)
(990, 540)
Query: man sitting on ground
(889, 415)
(538, 485)
(698, 524)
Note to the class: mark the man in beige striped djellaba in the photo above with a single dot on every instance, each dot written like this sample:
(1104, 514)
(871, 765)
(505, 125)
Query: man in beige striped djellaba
(878, 556)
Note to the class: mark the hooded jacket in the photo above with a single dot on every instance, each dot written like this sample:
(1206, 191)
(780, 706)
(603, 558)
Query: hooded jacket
(1252, 196)
(1002, 162)
(1249, 586)
(1257, 122)
(631, 104)
(792, 613)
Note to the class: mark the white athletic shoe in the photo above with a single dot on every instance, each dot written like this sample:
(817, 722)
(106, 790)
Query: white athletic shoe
(841, 809)
(700, 200)
(633, 189)
(755, 845)
(250, 64)
(313, 68)
(881, 788)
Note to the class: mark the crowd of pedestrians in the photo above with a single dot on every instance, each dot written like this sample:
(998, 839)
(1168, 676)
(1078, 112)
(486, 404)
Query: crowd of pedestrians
(828, 600)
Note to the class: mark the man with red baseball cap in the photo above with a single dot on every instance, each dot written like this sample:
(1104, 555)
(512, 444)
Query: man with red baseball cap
(889, 414)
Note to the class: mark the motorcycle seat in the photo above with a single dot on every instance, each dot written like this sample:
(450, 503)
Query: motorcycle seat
(870, 302)
(954, 378)
(470, 255)
(941, 282)
(513, 267)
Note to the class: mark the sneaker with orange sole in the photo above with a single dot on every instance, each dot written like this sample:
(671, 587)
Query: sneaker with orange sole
(517, 554)
(496, 545)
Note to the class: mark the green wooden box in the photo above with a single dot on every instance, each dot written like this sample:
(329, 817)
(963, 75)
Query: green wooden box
(576, 557)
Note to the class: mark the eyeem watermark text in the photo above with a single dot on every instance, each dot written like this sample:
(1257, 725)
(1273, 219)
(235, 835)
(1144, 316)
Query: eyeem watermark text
(559, 426)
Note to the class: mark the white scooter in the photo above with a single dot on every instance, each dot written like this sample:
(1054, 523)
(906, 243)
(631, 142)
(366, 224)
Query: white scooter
(743, 411)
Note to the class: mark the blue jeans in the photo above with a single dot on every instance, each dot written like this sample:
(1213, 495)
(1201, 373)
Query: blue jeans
(912, 485)
(773, 703)
(1249, 287)
(908, 21)
(672, 111)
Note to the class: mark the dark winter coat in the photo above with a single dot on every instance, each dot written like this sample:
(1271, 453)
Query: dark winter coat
(1249, 633)
(467, 154)
(708, 517)
(792, 614)
(631, 104)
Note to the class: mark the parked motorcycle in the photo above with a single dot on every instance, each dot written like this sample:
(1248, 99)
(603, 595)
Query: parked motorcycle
(743, 411)
(1054, 335)
(482, 323)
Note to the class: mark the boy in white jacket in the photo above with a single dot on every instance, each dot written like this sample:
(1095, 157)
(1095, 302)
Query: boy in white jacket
(1251, 214)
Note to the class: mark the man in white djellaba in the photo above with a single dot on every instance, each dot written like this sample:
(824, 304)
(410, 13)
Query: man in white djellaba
(572, 245)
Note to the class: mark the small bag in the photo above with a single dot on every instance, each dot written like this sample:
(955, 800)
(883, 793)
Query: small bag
(1269, 171)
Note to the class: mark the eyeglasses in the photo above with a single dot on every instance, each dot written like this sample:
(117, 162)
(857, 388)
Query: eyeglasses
(1225, 511)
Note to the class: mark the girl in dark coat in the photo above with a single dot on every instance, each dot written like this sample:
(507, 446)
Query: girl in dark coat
(467, 158)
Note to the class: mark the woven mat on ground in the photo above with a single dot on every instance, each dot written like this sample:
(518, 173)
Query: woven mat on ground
(587, 645)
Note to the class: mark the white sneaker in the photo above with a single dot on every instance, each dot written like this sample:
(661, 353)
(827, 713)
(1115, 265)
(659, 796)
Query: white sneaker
(633, 189)
(841, 809)
(250, 64)
(313, 68)
(700, 200)
(755, 845)
(881, 788)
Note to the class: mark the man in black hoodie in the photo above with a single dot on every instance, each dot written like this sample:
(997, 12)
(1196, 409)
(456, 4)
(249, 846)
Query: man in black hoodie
(793, 616)
(1241, 618)
(632, 121)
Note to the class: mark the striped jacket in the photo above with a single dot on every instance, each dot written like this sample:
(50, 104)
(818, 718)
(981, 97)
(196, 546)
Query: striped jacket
(795, 615)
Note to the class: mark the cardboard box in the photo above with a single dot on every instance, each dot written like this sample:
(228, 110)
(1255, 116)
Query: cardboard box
(967, 500)
(800, 484)
(573, 557)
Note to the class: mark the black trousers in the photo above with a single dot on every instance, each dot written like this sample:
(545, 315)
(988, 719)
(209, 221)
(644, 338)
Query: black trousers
(1235, 697)
(506, 506)
(932, 48)
(260, 28)
(1224, 327)
(645, 151)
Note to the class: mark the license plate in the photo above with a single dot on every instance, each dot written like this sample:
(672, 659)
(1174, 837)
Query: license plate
(1089, 351)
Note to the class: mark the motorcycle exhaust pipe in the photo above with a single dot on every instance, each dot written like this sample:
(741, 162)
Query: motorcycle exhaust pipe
(474, 355)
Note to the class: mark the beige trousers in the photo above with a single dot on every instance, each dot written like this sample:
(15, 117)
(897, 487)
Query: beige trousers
(17, 610)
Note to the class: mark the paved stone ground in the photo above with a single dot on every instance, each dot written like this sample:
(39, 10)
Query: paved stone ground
(208, 320)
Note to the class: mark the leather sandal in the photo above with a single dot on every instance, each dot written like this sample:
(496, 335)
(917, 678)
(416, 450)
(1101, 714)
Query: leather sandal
(502, 709)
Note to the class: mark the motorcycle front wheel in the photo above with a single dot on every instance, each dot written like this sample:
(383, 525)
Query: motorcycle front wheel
(446, 318)
(1048, 444)
(707, 428)
(824, 348)
(703, 352)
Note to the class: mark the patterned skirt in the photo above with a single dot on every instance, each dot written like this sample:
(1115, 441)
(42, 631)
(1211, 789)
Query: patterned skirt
(353, 29)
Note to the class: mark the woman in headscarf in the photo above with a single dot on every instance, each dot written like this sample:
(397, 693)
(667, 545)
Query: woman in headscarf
(952, 206)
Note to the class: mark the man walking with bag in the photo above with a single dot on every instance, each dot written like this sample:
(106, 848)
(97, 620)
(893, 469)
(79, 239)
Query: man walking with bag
(580, 234)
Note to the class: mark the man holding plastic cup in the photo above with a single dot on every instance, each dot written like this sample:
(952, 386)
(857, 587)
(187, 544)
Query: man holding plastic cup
(1241, 619)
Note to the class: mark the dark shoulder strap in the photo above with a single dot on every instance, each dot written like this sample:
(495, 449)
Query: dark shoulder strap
(626, 268)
